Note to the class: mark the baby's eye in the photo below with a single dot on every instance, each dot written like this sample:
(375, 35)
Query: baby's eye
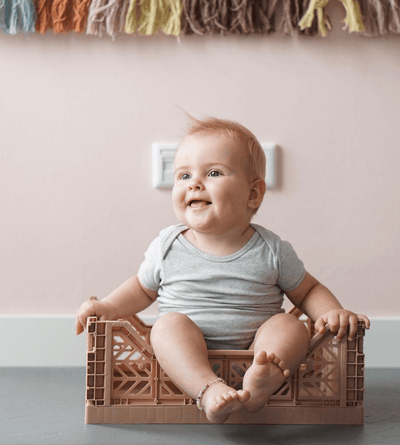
(185, 176)
(214, 173)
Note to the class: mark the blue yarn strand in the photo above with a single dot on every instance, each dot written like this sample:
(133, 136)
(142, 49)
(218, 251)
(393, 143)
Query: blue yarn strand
(3, 22)
(17, 16)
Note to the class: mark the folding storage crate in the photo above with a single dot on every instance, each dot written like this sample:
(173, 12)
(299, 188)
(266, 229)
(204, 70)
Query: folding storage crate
(125, 383)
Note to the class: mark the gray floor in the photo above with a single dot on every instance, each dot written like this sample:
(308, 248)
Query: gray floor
(46, 406)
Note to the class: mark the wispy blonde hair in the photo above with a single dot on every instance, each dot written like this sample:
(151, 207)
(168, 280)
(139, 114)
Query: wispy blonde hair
(235, 131)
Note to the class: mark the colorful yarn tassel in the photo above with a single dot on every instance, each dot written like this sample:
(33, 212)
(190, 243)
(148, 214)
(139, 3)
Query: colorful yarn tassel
(252, 16)
(81, 13)
(44, 20)
(107, 16)
(353, 20)
(381, 17)
(172, 23)
(17, 16)
(293, 11)
(61, 15)
(318, 7)
(149, 16)
(229, 16)
(131, 18)
(3, 20)
(62, 12)
(394, 16)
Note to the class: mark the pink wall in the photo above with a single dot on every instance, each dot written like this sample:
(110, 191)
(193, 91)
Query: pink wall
(78, 116)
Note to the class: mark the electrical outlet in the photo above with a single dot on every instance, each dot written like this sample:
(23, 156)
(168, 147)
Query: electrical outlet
(163, 155)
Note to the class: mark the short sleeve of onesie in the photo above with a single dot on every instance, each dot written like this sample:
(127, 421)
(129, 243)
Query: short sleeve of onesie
(150, 270)
(291, 268)
(282, 258)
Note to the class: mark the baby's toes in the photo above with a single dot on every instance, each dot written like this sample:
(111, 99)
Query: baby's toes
(282, 365)
(243, 396)
(224, 398)
(229, 396)
(220, 400)
(234, 395)
(271, 357)
(277, 360)
(286, 371)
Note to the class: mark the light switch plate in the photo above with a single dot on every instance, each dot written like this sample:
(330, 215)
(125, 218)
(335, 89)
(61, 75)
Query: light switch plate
(163, 164)
(270, 175)
(163, 155)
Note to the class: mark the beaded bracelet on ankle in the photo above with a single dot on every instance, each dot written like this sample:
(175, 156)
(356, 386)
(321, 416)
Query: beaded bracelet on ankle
(204, 389)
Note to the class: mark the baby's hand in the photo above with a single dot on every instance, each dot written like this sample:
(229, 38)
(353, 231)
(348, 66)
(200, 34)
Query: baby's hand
(338, 321)
(101, 309)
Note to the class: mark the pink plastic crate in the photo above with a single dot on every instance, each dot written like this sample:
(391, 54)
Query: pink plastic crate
(125, 383)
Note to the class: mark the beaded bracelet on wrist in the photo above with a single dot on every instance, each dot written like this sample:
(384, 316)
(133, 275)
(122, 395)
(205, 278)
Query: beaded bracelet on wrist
(204, 389)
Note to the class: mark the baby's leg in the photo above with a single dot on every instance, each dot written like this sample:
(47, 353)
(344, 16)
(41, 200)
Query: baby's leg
(180, 349)
(280, 346)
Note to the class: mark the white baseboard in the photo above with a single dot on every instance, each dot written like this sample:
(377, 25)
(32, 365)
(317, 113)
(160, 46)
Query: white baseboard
(36, 341)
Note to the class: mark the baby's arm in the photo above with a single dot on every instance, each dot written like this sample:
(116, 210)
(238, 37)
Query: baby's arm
(128, 299)
(318, 303)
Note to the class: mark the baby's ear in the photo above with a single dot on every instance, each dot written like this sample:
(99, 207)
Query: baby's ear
(257, 193)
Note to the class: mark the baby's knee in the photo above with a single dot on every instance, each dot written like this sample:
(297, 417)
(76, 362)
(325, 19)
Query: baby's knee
(172, 317)
(171, 320)
(293, 323)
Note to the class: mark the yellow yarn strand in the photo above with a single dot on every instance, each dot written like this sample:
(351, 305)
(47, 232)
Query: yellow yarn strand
(150, 12)
(323, 23)
(173, 24)
(131, 19)
(353, 19)
(308, 17)
(153, 16)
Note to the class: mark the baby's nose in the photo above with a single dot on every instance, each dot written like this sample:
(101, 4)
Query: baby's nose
(196, 185)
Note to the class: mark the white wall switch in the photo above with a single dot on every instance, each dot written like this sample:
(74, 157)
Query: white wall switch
(269, 150)
(163, 165)
(163, 155)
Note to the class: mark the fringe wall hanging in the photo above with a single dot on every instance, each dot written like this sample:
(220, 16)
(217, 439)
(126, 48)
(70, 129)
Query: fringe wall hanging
(191, 17)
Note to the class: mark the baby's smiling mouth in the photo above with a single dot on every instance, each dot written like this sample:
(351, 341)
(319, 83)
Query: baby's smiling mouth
(198, 203)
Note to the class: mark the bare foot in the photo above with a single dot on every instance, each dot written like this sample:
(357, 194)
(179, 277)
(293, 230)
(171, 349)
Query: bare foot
(219, 401)
(262, 379)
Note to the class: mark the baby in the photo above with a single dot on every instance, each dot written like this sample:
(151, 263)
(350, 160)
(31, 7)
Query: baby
(220, 280)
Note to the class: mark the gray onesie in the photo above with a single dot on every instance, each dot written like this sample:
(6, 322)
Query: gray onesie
(228, 297)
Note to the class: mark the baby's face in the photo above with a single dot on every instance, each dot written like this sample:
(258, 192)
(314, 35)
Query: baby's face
(211, 188)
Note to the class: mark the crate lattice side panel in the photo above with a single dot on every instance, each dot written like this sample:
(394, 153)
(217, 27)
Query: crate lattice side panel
(133, 370)
(122, 371)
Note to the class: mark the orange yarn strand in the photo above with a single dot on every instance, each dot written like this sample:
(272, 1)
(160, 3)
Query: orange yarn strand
(62, 13)
(81, 14)
(43, 15)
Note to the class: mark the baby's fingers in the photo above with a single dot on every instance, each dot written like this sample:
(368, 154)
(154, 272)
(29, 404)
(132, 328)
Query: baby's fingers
(78, 328)
(365, 320)
(333, 322)
(319, 325)
(87, 309)
(353, 324)
(80, 324)
(343, 324)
